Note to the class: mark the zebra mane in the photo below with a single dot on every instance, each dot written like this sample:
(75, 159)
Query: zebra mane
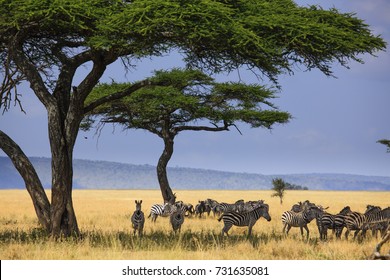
(345, 210)
(372, 209)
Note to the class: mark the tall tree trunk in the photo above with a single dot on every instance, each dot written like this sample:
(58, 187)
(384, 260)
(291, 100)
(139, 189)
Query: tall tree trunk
(62, 139)
(31, 180)
(166, 190)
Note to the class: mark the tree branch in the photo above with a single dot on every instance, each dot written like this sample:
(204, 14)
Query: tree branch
(30, 177)
(117, 95)
(202, 128)
(29, 70)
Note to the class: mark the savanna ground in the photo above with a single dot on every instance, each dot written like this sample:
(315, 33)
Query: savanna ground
(104, 220)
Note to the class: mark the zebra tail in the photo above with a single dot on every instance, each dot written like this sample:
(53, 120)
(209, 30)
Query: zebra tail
(220, 218)
(150, 214)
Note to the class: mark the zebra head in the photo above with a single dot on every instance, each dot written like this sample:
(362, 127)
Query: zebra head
(138, 205)
(313, 212)
(264, 211)
(168, 209)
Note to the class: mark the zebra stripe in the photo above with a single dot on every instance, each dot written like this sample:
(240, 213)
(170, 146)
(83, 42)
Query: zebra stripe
(300, 219)
(138, 218)
(244, 219)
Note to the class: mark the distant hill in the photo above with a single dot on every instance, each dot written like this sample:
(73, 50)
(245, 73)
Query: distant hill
(111, 175)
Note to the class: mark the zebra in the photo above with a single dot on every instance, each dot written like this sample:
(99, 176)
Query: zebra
(176, 219)
(324, 222)
(339, 221)
(189, 209)
(200, 208)
(244, 219)
(375, 227)
(300, 206)
(176, 213)
(138, 218)
(299, 219)
(377, 219)
(229, 207)
(156, 210)
(212, 204)
(248, 206)
(360, 222)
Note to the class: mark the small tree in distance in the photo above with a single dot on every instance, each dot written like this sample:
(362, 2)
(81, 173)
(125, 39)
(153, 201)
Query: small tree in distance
(279, 187)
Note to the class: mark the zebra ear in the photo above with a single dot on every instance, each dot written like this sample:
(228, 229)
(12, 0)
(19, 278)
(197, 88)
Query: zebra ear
(140, 202)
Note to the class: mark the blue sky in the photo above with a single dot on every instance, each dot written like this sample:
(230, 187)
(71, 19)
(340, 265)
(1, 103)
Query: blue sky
(335, 125)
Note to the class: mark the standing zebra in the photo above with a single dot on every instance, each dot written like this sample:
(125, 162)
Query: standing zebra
(327, 221)
(357, 221)
(229, 207)
(212, 204)
(176, 213)
(200, 208)
(377, 219)
(157, 210)
(339, 221)
(244, 219)
(375, 227)
(249, 206)
(138, 218)
(176, 219)
(299, 219)
(324, 222)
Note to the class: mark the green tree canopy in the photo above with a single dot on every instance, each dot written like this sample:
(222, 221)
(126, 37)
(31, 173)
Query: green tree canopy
(46, 42)
(185, 100)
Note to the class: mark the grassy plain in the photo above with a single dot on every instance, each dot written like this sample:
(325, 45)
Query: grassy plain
(104, 219)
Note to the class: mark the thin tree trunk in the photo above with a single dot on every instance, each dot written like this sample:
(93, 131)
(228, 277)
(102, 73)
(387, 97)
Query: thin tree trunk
(166, 190)
(33, 184)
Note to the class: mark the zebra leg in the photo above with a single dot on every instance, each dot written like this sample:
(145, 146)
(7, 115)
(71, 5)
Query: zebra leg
(307, 231)
(324, 233)
(288, 229)
(346, 234)
(250, 230)
(356, 233)
(226, 229)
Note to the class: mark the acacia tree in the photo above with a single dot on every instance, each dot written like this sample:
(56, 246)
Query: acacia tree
(186, 100)
(279, 187)
(45, 42)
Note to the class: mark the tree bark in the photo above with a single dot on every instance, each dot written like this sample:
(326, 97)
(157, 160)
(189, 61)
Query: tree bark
(162, 164)
(63, 132)
(33, 184)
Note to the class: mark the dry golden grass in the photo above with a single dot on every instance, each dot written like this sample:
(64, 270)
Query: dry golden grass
(104, 219)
